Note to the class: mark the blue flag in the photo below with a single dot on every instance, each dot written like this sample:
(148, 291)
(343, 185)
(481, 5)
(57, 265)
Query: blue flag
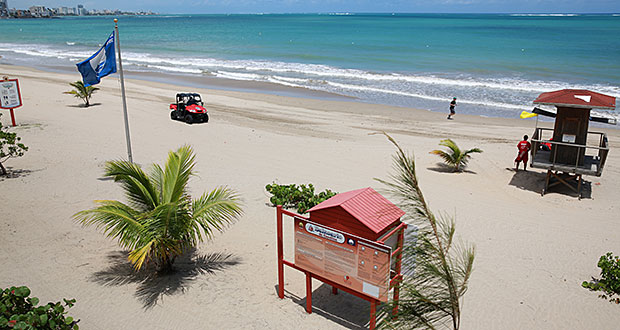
(101, 64)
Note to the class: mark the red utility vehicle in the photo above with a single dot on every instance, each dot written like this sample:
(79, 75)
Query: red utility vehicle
(189, 108)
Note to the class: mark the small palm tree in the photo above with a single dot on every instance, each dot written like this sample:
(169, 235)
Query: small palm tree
(161, 221)
(454, 157)
(81, 91)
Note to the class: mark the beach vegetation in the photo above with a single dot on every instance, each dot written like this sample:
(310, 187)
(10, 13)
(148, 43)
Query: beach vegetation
(454, 157)
(609, 282)
(20, 311)
(161, 221)
(83, 92)
(300, 197)
(10, 147)
(436, 269)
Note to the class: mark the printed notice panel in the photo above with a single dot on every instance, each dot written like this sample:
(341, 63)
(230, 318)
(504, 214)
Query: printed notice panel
(351, 261)
(9, 94)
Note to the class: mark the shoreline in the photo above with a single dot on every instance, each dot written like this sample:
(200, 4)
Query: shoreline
(326, 102)
(532, 252)
(211, 82)
(257, 87)
(261, 88)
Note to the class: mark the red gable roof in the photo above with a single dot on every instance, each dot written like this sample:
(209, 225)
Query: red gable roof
(577, 98)
(366, 205)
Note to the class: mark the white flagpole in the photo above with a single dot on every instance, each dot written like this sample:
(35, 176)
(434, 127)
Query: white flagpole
(120, 67)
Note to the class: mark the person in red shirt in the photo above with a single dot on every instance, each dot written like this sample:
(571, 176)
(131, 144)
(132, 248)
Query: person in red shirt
(523, 147)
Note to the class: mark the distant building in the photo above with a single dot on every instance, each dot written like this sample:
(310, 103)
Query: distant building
(43, 12)
(39, 11)
(81, 11)
(4, 8)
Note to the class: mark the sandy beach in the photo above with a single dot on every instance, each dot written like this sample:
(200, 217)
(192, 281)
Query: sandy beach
(532, 252)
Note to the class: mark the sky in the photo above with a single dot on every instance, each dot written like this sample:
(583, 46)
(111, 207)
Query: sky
(323, 6)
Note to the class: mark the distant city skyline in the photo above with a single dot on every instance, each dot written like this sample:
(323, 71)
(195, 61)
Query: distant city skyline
(360, 6)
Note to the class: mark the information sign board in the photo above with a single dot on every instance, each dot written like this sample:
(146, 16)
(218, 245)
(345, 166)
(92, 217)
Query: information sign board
(9, 94)
(353, 262)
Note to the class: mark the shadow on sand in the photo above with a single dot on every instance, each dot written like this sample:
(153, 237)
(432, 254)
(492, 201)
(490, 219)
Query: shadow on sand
(444, 168)
(83, 105)
(535, 182)
(152, 286)
(345, 309)
(14, 174)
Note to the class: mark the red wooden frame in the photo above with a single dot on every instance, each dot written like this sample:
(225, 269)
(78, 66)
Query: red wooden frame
(19, 94)
(394, 280)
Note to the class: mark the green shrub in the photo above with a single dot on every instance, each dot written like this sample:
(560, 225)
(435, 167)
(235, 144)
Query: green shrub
(609, 283)
(9, 147)
(302, 197)
(19, 311)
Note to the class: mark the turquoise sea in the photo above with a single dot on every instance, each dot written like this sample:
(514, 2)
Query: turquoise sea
(495, 64)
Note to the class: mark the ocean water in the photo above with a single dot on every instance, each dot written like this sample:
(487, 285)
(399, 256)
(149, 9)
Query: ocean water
(495, 64)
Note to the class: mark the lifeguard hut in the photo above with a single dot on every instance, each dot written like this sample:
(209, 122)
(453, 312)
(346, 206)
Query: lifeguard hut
(352, 242)
(569, 150)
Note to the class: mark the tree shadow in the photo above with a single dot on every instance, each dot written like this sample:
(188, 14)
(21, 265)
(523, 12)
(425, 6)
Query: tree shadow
(345, 309)
(153, 286)
(445, 168)
(14, 174)
(535, 182)
(83, 105)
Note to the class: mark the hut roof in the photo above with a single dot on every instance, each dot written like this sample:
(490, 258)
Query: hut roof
(367, 206)
(577, 98)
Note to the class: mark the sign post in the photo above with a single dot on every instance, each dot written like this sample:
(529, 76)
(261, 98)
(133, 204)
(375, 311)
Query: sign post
(10, 97)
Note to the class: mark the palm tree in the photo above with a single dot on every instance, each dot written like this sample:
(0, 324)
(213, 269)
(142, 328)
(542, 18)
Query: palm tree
(161, 221)
(454, 157)
(436, 269)
(81, 91)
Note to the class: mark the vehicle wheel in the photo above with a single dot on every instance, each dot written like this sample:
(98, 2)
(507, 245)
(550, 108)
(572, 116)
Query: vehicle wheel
(206, 119)
(189, 119)
(173, 115)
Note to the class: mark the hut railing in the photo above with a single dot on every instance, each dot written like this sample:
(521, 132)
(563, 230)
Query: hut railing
(597, 152)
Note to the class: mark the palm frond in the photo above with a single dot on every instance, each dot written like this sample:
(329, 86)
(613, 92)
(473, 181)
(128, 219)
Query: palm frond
(116, 220)
(177, 171)
(137, 185)
(448, 158)
(140, 256)
(437, 269)
(156, 174)
(215, 210)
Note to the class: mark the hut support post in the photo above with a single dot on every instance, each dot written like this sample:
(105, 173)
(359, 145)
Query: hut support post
(280, 254)
(564, 179)
(546, 183)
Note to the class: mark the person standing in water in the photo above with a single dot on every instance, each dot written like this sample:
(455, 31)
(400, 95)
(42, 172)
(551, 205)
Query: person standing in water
(452, 105)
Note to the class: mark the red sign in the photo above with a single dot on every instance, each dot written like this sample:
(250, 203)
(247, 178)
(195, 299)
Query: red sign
(354, 262)
(9, 94)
